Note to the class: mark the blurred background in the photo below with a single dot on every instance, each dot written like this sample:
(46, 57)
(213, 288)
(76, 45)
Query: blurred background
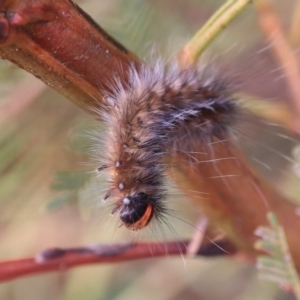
(50, 198)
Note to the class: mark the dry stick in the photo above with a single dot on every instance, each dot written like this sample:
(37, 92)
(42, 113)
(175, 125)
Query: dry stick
(63, 259)
(42, 37)
(294, 32)
(271, 27)
(198, 237)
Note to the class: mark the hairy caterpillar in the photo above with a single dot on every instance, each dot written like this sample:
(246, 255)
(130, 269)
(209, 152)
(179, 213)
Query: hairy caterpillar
(151, 116)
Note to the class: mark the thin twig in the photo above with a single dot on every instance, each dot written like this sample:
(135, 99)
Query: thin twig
(198, 236)
(294, 32)
(271, 26)
(218, 21)
(63, 259)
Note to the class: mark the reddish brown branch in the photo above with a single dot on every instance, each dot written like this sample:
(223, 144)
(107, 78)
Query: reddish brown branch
(237, 204)
(63, 259)
(61, 45)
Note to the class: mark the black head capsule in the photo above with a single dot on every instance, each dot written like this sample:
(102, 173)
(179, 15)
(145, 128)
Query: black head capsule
(136, 212)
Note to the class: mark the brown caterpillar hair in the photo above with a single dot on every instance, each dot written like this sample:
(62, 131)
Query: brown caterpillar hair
(143, 119)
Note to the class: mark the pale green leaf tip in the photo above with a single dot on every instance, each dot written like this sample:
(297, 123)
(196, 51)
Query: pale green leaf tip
(272, 219)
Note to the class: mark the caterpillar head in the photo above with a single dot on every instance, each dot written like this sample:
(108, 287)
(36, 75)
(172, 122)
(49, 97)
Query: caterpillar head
(136, 212)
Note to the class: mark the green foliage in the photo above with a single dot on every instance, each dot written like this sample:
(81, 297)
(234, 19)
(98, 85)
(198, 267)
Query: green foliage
(278, 265)
(69, 180)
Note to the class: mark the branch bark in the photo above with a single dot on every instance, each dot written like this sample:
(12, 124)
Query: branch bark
(61, 45)
(64, 259)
